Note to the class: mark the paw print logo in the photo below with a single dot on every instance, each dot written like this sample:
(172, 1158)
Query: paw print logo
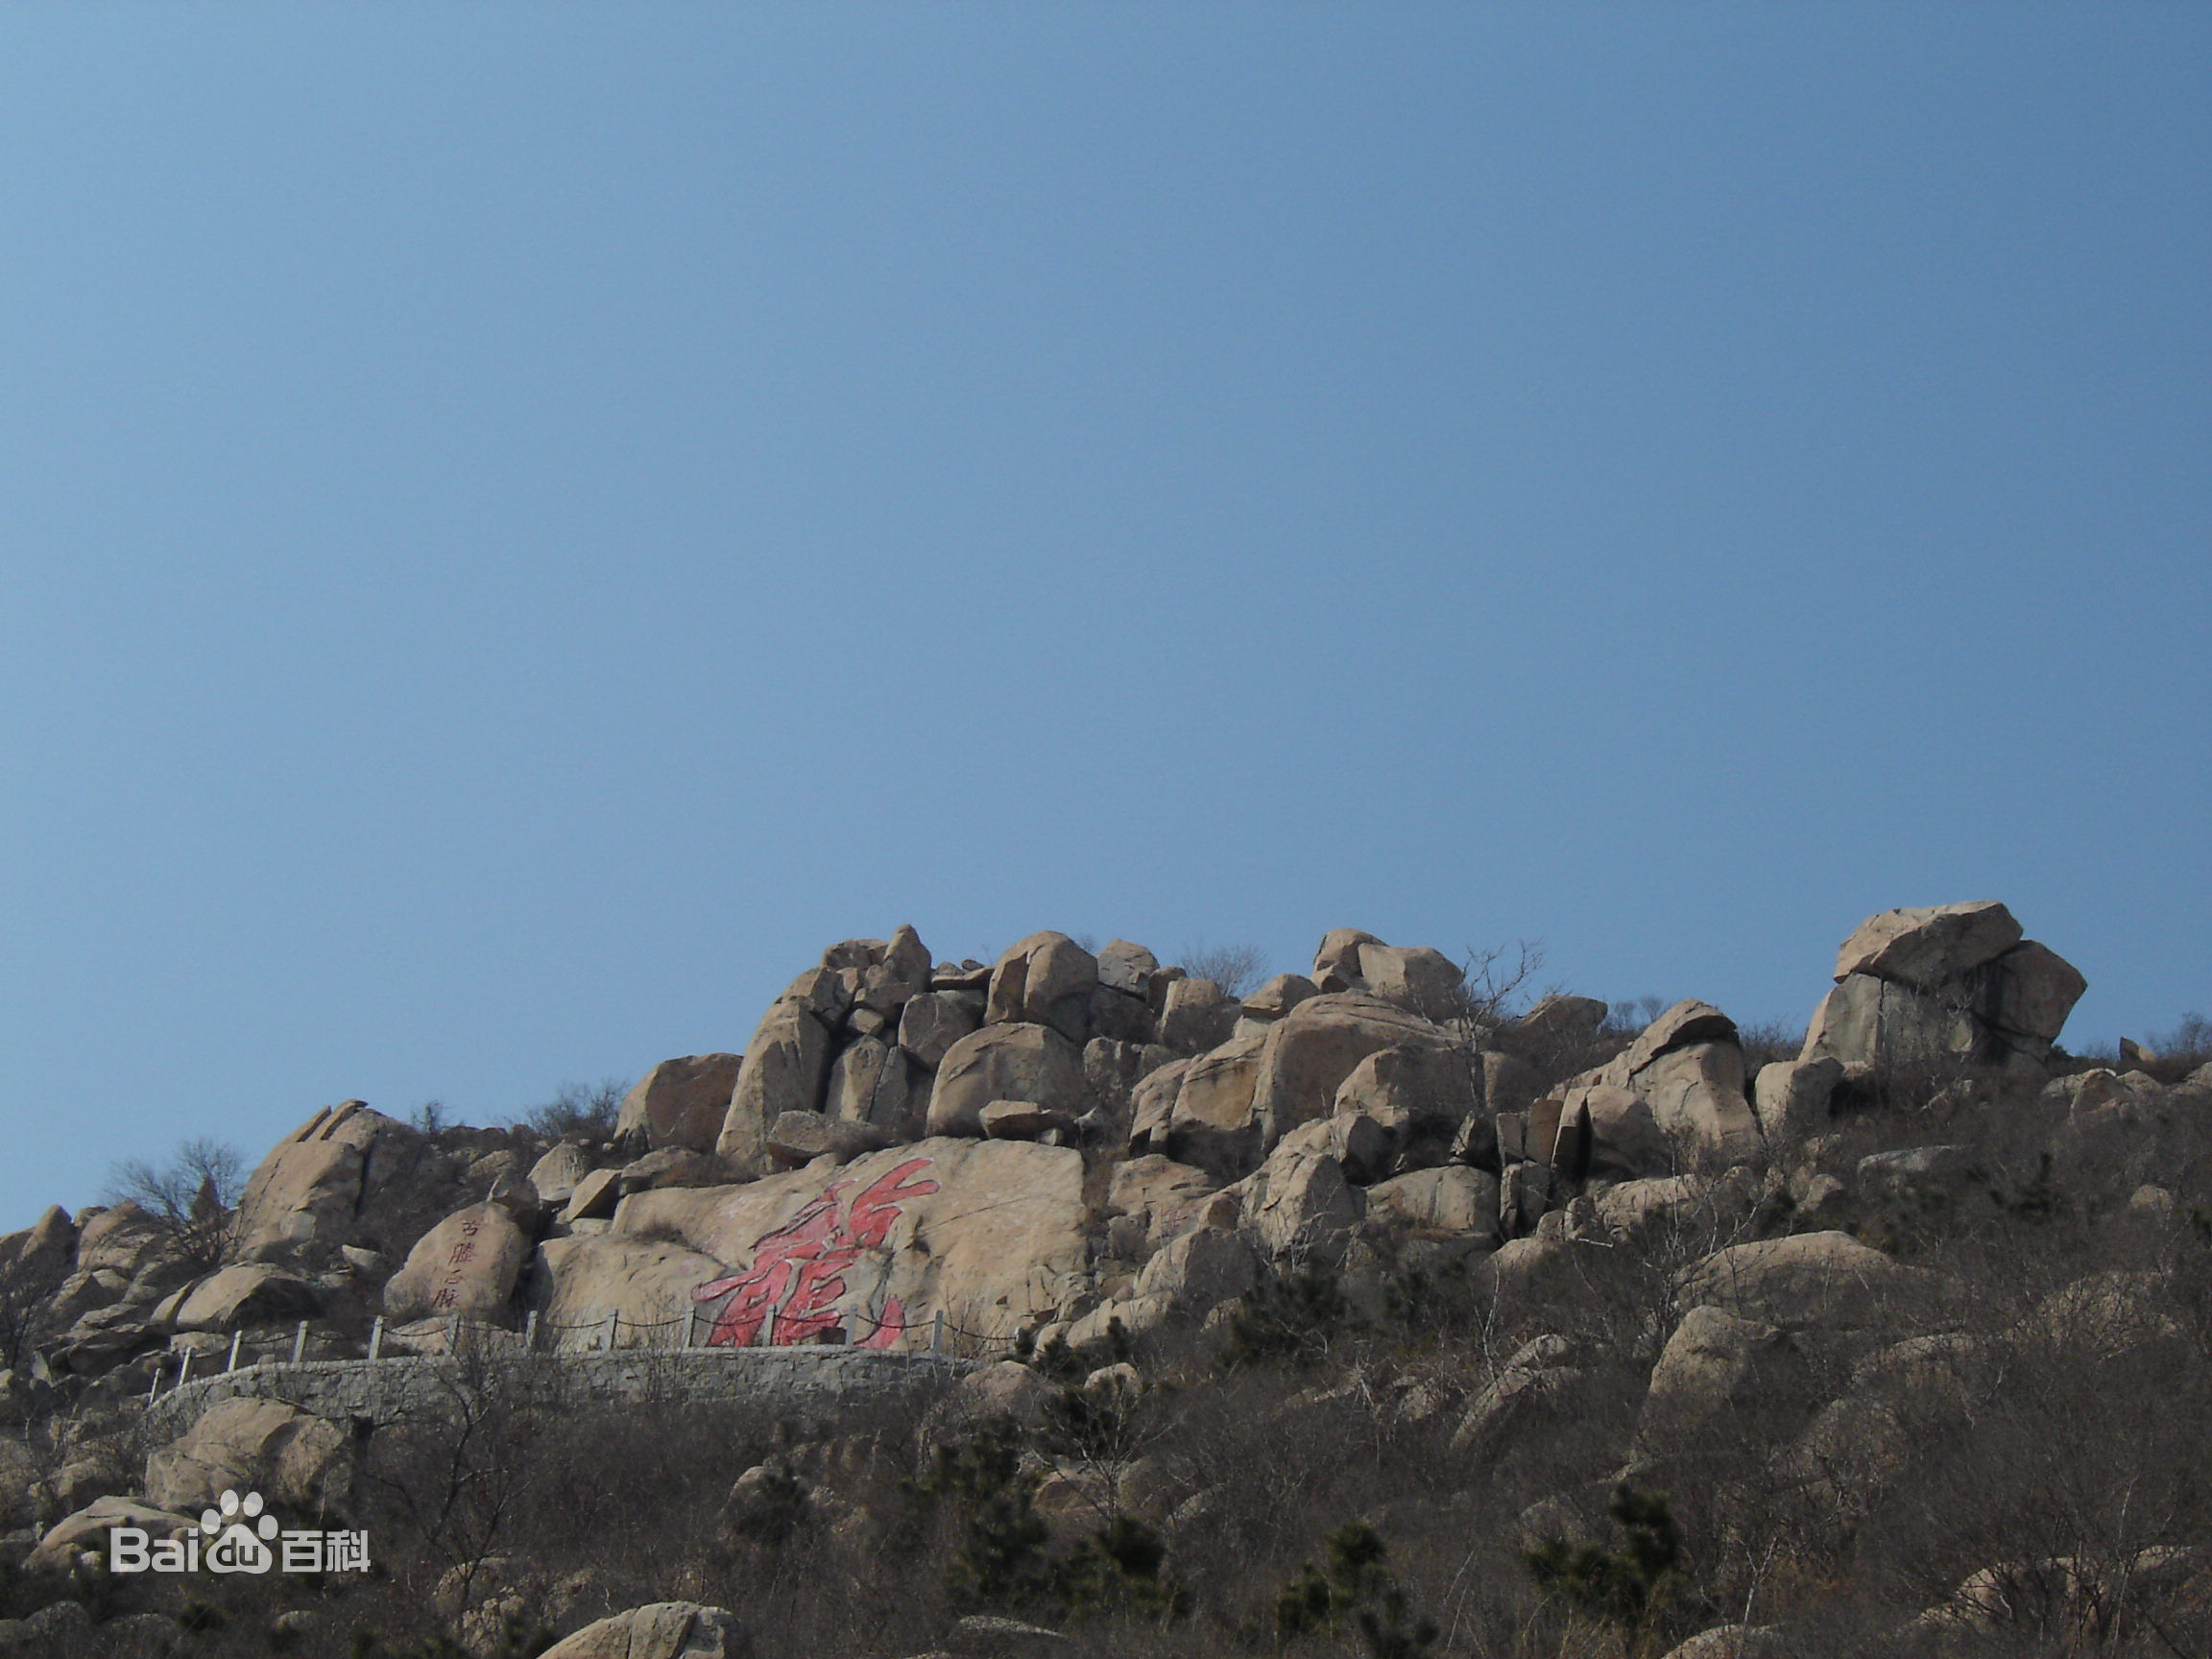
(232, 1528)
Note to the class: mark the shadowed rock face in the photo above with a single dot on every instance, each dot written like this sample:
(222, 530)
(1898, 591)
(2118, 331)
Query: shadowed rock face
(681, 1102)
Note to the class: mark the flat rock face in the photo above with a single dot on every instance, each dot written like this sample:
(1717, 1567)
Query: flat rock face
(646, 1283)
(1806, 1278)
(1211, 1123)
(681, 1102)
(989, 1231)
(321, 1178)
(1046, 979)
(464, 1267)
(1452, 1199)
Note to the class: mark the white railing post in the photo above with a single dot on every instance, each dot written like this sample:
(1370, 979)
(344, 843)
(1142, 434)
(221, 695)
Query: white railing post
(937, 1333)
(236, 1338)
(691, 1326)
(376, 1337)
(300, 1343)
(613, 1325)
(530, 1330)
(452, 1333)
(184, 1370)
(154, 1388)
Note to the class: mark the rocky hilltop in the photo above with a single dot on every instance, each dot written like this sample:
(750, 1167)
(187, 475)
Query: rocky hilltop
(1567, 1265)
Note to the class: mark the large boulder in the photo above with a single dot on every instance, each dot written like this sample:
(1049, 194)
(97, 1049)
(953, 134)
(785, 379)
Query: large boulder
(660, 1630)
(932, 1022)
(1309, 1052)
(1677, 1089)
(1021, 1062)
(1927, 946)
(464, 1267)
(1336, 959)
(1715, 1365)
(249, 1293)
(1046, 979)
(300, 1462)
(1414, 976)
(1298, 1207)
(681, 1102)
(1196, 1015)
(989, 1231)
(1421, 1093)
(326, 1179)
(1808, 1280)
(1945, 984)
(1455, 1199)
(1211, 1124)
(1160, 1196)
(1152, 1106)
(787, 1068)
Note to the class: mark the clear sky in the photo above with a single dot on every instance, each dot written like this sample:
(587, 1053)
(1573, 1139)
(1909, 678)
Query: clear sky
(519, 524)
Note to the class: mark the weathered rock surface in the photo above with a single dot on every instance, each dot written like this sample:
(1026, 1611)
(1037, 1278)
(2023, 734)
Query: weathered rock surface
(930, 1023)
(681, 1102)
(659, 1630)
(250, 1293)
(1452, 1199)
(1307, 1054)
(324, 1179)
(1019, 1062)
(1046, 979)
(786, 1069)
(798, 1138)
(299, 1462)
(464, 1267)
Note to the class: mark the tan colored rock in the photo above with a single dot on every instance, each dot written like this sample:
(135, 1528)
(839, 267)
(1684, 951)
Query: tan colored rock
(1791, 1098)
(994, 1232)
(786, 1069)
(1559, 1020)
(326, 1178)
(1197, 1015)
(1869, 1021)
(300, 1463)
(1299, 1208)
(798, 1138)
(1414, 976)
(932, 1022)
(1200, 1270)
(2037, 988)
(1809, 1279)
(1509, 1083)
(120, 1239)
(1211, 1124)
(44, 1250)
(1152, 1106)
(1632, 1206)
(1023, 1121)
(1715, 1365)
(1279, 995)
(1164, 1196)
(1419, 1094)
(1337, 960)
(465, 1266)
(1127, 967)
(1024, 1062)
(670, 1166)
(252, 1293)
(681, 1102)
(659, 1630)
(646, 1283)
(854, 1077)
(1696, 1094)
(87, 1529)
(1452, 1199)
(1046, 979)
(556, 1174)
(595, 1196)
(1311, 1050)
(903, 974)
(1927, 946)
(901, 1108)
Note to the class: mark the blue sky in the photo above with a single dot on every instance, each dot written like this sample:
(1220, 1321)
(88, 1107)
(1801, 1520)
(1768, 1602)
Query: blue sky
(520, 524)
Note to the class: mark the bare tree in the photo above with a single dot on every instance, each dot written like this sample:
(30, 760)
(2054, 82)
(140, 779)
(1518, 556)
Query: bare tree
(1238, 969)
(194, 1196)
(586, 1110)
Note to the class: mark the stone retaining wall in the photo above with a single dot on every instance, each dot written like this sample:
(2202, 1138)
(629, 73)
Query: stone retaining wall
(809, 1378)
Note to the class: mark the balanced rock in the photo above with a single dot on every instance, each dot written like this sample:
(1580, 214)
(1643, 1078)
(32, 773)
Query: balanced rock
(1020, 1062)
(1046, 979)
(249, 1293)
(300, 1462)
(786, 1068)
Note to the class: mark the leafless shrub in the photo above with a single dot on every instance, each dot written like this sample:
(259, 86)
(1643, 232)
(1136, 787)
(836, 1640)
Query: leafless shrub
(1238, 969)
(578, 1111)
(194, 1196)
